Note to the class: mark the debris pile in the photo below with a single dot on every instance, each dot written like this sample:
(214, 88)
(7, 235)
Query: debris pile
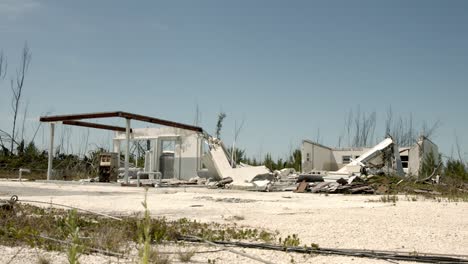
(7, 205)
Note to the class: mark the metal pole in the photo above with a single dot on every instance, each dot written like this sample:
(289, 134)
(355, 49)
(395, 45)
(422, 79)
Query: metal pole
(51, 152)
(127, 149)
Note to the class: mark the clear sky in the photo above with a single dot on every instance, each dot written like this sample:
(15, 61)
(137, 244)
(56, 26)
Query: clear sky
(289, 69)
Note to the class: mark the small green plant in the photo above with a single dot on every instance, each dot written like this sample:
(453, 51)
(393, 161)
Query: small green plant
(290, 241)
(186, 256)
(266, 236)
(43, 260)
(154, 257)
(144, 235)
(84, 230)
(75, 248)
(389, 198)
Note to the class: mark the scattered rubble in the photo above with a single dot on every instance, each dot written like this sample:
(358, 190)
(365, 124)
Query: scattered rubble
(225, 200)
(8, 204)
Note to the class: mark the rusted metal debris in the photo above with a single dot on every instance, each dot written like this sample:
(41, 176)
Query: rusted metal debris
(302, 187)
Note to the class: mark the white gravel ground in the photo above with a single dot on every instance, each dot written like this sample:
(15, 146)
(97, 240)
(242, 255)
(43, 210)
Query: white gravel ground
(336, 221)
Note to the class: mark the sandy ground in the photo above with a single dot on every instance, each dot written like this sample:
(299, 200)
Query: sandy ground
(336, 221)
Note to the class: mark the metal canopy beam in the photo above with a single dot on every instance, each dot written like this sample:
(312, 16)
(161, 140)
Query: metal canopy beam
(78, 116)
(160, 121)
(72, 120)
(123, 115)
(94, 125)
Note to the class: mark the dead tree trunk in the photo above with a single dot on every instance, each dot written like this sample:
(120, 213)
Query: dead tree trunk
(3, 66)
(17, 89)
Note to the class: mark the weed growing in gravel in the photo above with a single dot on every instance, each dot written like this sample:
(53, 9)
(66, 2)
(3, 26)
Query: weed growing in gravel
(290, 241)
(411, 198)
(42, 260)
(186, 256)
(144, 235)
(156, 258)
(29, 225)
(75, 247)
(389, 198)
(386, 199)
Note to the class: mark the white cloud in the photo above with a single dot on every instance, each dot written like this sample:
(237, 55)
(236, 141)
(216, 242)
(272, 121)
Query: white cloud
(13, 9)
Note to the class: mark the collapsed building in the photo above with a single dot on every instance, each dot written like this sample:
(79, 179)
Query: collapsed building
(317, 157)
(175, 151)
(181, 152)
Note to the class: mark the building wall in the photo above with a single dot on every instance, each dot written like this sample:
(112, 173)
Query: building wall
(353, 153)
(316, 157)
(419, 152)
(319, 157)
(187, 156)
(404, 155)
(187, 150)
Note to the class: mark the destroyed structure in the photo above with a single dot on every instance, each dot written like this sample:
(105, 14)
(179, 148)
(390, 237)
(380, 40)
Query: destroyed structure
(316, 157)
(174, 152)
(180, 153)
(346, 170)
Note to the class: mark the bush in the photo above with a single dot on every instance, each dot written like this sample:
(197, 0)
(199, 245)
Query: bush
(456, 170)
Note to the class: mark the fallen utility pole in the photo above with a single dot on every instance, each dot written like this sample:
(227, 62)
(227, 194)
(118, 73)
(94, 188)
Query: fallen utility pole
(375, 254)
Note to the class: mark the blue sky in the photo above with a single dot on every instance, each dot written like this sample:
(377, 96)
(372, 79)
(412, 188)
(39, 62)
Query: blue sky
(287, 68)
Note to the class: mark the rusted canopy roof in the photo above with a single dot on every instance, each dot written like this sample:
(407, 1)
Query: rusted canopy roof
(71, 120)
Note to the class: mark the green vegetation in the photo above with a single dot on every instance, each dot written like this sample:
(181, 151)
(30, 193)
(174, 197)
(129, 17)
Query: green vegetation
(290, 241)
(389, 198)
(456, 171)
(43, 260)
(186, 256)
(75, 248)
(293, 161)
(144, 235)
(219, 124)
(28, 225)
(431, 166)
(393, 185)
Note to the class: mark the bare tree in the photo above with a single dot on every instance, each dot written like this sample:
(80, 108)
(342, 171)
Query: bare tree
(402, 130)
(364, 129)
(3, 71)
(389, 121)
(25, 116)
(3, 66)
(197, 120)
(429, 131)
(348, 125)
(359, 128)
(17, 88)
(459, 152)
(237, 130)
(317, 137)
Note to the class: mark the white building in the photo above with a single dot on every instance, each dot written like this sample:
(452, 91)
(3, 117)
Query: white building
(318, 157)
(174, 152)
(183, 154)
